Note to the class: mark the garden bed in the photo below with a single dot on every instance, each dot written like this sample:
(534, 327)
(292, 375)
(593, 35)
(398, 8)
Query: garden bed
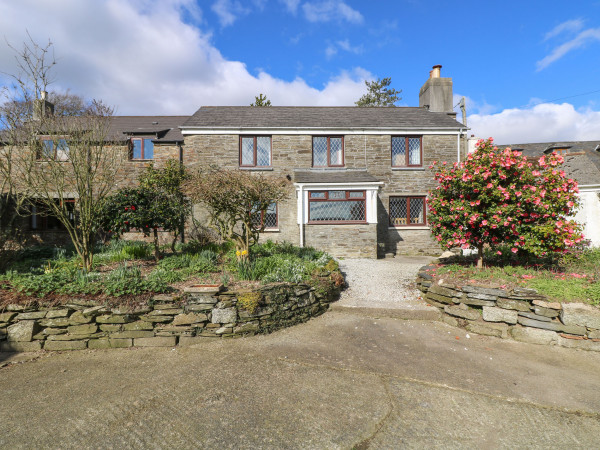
(48, 302)
(125, 273)
(541, 303)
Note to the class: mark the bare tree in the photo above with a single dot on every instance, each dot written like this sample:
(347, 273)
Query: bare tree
(59, 165)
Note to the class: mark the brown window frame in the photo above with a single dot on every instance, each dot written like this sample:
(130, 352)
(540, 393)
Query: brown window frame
(54, 139)
(246, 136)
(345, 199)
(42, 221)
(408, 224)
(406, 155)
(329, 150)
(141, 139)
(262, 218)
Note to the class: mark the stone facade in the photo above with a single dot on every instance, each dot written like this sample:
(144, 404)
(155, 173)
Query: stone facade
(520, 314)
(364, 151)
(368, 152)
(126, 176)
(166, 321)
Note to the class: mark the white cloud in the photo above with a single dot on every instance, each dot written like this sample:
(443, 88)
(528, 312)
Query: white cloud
(147, 60)
(291, 5)
(345, 45)
(332, 49)
(330, 10)
(228, 11)
(543, 123)
(581, 39)
(573, 25)
(472, 106)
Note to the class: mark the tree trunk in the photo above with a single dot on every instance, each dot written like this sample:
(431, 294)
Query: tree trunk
(480, 256)
(156, 246)
(173, 242)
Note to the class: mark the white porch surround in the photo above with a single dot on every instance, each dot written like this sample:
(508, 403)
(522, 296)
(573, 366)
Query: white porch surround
(303, 189)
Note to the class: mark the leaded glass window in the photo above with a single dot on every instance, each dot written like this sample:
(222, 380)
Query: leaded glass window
(407, 211)
(255, 151)
(267, 217)
(406, 151)
(328, 151)
(337, 207)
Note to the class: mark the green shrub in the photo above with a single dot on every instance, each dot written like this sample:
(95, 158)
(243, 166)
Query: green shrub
(127, 280)
(46, 282)
(137, 251)
(161, 275)
(289, 270)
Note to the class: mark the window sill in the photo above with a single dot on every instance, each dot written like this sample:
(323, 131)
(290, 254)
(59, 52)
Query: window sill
(140, 160)
(400, 169)
(410, 227)
(257, 169)
(271, 230)
(328, 168)
(337, 223)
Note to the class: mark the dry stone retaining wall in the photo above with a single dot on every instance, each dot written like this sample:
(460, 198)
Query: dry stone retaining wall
(165, 322)
(521, 314)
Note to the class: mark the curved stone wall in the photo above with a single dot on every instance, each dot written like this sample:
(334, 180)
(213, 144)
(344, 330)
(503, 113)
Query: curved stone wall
(168, 320)
(521, 314)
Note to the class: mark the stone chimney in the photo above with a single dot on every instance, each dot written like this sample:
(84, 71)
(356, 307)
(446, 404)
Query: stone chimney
(42, 107)
(436, 93)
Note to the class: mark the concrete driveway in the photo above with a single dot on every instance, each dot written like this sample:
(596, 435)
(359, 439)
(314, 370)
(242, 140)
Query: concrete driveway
(339, 381)
(343, 380)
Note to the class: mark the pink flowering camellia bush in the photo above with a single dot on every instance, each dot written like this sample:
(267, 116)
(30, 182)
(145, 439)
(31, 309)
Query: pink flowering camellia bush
(498, 198)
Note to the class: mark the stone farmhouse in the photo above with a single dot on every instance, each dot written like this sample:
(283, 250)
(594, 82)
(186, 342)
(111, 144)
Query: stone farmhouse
(359, 177)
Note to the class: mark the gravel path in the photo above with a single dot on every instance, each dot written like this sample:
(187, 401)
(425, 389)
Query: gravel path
(382, 283)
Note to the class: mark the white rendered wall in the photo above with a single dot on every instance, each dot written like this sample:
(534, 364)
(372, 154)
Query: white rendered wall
(589, 214)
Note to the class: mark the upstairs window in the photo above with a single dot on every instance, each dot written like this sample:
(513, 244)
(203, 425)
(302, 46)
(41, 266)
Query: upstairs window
(142, 148)
(57, 149)
(559, 151)
(337, 207)
(255, 151)
(407, 211)
(407, 151)
(328, 151)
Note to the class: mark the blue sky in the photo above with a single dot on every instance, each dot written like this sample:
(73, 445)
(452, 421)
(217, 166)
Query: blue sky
(172, 56)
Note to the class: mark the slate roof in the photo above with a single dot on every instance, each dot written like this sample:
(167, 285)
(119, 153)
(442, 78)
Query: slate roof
(538, 148)
(319, 117)
(166, 128)
(582, 160)
(333, 176)
(121, 128)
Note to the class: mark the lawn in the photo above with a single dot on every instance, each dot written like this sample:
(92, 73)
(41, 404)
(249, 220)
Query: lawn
(572, 277)
(125, 271)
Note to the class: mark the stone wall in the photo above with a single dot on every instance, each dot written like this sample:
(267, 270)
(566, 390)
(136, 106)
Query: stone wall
(521, 314)
(370, 152)
(166, 320)
(347, 241)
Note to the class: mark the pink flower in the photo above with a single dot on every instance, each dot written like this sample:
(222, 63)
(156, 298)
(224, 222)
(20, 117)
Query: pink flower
(498, 252)
(514, 250)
